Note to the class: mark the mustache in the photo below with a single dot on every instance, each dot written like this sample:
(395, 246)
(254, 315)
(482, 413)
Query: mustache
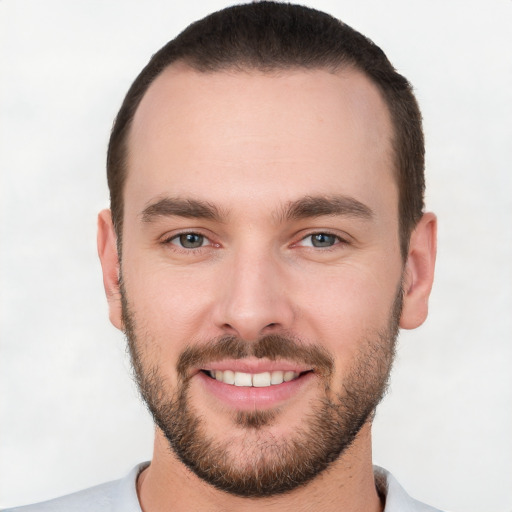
(272, 347)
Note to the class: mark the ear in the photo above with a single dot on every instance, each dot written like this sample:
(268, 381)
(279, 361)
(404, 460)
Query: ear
(107, 251)
(419, 272)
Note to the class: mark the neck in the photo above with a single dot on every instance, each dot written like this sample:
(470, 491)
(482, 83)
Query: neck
(348, 485)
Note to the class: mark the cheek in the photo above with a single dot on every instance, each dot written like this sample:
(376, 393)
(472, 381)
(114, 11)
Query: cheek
(348, 305)
(169, 305)
(167, 320)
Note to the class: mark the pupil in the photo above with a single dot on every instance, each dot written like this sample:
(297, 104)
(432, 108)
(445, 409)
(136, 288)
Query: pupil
(323, 240)
(191, 240)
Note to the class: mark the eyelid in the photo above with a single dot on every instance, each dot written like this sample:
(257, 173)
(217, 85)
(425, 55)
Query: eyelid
(168, 239)
(341, 239)
(177, 240)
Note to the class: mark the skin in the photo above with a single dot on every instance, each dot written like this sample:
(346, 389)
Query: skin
(251, 144)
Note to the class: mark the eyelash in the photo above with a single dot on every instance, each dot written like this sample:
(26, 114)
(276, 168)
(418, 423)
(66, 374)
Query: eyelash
(339, 241)
(179, 247)
(169, 241)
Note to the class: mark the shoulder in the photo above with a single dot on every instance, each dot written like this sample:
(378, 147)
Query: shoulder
(115, 496)
(97, 498)
(397, 499)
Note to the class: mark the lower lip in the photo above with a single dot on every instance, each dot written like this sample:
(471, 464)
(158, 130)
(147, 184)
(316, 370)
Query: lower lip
(249, 398)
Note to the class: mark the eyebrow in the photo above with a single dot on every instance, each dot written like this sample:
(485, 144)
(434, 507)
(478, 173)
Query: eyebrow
(306, 207)
(176, 207)
(319, 206)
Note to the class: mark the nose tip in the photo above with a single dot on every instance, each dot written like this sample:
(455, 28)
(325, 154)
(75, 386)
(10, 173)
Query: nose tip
(254, 301)
(251, 316)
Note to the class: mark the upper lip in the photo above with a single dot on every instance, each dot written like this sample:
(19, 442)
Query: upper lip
(255, 366)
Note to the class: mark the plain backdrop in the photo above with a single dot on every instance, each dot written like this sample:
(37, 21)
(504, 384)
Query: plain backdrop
(70, 416)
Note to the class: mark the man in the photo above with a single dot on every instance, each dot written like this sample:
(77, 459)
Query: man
(265, 242)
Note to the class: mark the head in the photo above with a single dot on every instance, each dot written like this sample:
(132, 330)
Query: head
(266, 178)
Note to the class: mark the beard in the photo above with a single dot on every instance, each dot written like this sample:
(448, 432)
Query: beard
(256, 463)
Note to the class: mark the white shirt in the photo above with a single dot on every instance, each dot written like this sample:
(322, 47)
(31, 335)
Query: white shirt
(121, 496)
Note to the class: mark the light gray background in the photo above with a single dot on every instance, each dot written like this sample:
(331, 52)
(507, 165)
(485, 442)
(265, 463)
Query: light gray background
(69, 414)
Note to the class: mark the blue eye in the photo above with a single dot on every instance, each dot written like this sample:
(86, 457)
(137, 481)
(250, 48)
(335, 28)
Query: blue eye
(189, 240)
(320, 240)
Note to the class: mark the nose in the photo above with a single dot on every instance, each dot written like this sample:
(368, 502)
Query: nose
(254, 298)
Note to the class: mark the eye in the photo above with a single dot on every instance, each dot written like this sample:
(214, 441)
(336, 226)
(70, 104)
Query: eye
(320, 240)
(189, 240)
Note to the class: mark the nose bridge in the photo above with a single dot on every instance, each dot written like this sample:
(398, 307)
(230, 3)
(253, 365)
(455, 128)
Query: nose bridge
(254, 301)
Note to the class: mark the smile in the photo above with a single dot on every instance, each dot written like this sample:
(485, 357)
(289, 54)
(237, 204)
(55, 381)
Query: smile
(246, 385)
(256, 380)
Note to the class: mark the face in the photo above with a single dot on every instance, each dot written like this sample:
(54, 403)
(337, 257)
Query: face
(261, 268)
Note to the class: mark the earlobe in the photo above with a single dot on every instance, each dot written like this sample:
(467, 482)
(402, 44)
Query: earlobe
(107, 251)
(419, 272)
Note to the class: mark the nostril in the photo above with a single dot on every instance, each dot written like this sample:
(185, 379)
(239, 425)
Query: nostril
(270, 328)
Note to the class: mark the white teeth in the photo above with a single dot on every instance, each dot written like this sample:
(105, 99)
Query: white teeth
(276, 377)
(288, 376)
(257, 380)
(228, 377)
(243, 379)
(261, 380)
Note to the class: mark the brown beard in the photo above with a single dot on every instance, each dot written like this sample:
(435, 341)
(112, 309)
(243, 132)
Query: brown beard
(273, 466)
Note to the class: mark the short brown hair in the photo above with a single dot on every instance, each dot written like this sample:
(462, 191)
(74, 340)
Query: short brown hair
(267, 36)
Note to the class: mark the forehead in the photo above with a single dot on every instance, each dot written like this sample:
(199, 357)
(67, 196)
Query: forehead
(278, 134)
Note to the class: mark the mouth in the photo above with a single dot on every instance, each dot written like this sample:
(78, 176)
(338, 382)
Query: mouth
(246, 384)
(254, 380)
